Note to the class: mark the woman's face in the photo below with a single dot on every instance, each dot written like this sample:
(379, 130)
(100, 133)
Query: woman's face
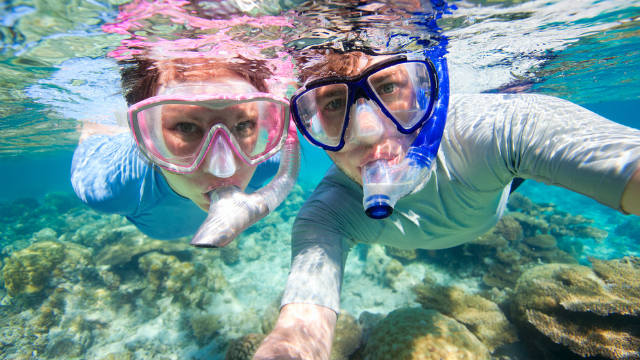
(184, 128)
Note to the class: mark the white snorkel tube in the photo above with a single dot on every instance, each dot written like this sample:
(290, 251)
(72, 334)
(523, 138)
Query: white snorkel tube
(385, 184)
(232, 211)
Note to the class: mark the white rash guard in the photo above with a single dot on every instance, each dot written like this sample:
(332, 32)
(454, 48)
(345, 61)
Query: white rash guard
(488, 140)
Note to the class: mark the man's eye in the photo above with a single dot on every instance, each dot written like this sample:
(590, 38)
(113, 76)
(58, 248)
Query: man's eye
(387, 88)
(335, 104)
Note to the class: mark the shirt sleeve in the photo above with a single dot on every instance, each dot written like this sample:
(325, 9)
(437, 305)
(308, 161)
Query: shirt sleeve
(329, 223)
(107, 174)
(110, 176)
(493, 138)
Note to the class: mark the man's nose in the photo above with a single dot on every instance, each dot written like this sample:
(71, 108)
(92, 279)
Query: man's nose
(368, 122)
(220, 160)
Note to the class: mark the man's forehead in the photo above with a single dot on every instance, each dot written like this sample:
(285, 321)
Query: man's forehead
(362, 63)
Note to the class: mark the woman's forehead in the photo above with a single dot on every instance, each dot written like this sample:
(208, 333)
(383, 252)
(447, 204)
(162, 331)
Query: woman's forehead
(171, 77)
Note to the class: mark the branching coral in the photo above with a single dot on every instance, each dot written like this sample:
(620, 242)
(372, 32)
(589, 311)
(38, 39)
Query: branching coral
(481, 316)
(509, 228)
(418, 334)
(546, 218)
(590, 312)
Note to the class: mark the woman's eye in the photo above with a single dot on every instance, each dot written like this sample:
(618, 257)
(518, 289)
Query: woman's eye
(244, 127)
(187, 128)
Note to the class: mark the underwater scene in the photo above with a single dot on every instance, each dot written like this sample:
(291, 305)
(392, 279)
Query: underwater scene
(558, 277)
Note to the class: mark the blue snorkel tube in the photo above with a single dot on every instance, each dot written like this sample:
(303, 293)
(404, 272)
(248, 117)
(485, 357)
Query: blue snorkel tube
(385, 184)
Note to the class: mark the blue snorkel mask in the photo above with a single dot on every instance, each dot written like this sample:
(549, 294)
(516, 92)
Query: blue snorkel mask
(385, 184)
(411, 90)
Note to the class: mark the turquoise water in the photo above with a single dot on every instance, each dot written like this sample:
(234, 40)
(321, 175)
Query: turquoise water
(97, 302)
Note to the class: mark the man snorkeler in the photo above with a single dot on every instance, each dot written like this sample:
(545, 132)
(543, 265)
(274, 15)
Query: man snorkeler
(425, 183)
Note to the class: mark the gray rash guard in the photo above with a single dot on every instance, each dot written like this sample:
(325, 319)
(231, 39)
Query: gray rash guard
(488, 140)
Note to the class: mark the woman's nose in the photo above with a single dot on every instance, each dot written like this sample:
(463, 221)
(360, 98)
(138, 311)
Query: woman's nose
(367, 122)
(220, 160)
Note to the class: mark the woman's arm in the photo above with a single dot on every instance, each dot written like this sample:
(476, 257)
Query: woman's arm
(303, 331)
(631, 196)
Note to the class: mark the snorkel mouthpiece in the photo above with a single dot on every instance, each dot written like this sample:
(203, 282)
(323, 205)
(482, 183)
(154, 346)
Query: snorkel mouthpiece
(232, 211)
(385, 184)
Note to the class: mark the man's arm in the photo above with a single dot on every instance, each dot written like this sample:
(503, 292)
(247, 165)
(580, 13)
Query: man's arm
(303, 331)
(631, 196)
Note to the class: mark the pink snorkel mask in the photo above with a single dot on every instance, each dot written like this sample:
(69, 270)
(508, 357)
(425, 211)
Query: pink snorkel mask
(178, 128)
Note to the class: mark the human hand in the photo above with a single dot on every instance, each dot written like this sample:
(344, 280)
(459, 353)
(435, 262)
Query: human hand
(303, 331)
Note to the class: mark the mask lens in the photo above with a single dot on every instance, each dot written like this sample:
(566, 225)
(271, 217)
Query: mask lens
(322, 112)
(177, 132)
(405, 91)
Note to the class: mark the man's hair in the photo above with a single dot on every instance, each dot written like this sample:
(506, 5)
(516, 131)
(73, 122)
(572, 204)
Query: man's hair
(141, 76)
(324, 63)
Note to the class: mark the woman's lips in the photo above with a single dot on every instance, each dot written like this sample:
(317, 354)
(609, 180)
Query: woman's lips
(218, 185)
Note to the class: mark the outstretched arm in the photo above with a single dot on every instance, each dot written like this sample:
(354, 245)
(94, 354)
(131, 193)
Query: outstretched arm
(303, 331)
(631, 196)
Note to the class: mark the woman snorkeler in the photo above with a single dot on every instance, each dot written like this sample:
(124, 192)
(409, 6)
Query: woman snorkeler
(200, 126)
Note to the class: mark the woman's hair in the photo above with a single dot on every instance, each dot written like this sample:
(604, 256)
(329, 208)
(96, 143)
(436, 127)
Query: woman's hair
(142, 76)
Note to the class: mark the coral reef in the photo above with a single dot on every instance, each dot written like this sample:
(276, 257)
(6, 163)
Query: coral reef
(347, 337)
(391, 272)
(529, 236)
(509, 228)
(589, 312)
(244, 347)
(79, 284)
(230, 254)
(28, 270)
(415, 333)
(270, 316)
(403, 255)
(481, 316)
(132, 243)
(205, 326)
(546, 219)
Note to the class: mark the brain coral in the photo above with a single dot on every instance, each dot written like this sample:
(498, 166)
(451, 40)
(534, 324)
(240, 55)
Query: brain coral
(589, 312)
(244, 347)
(347, 337)
(481, 316)
(414, 333)
(28, 270)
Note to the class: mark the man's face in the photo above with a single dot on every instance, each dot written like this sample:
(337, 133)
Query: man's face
(371, 135)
